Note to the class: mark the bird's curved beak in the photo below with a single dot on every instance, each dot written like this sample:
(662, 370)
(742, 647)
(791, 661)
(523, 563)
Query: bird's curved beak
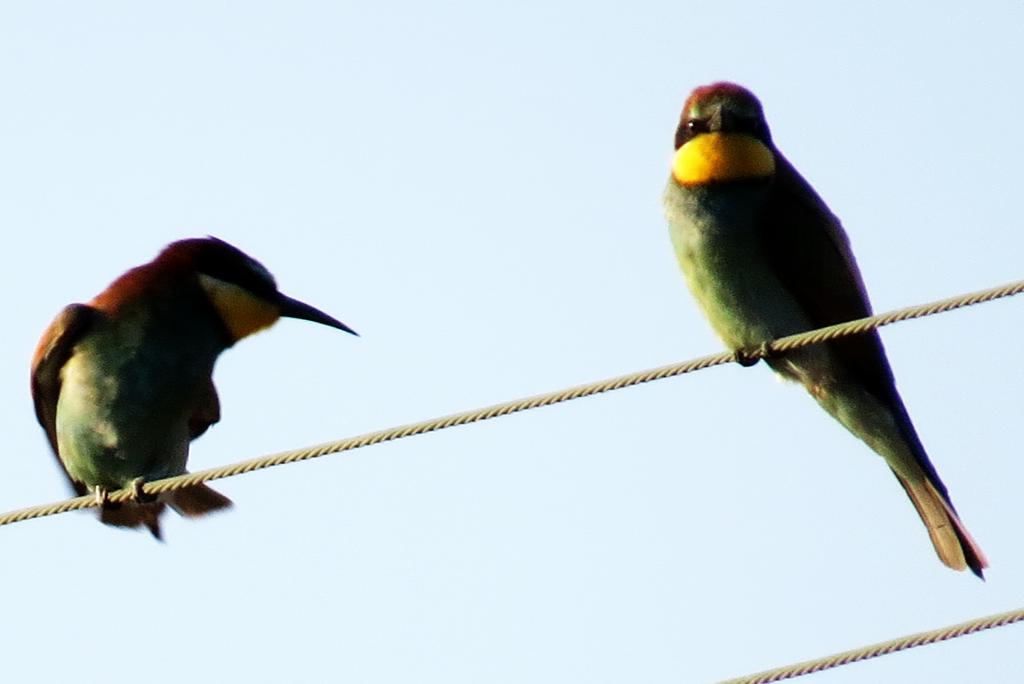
(293, 308)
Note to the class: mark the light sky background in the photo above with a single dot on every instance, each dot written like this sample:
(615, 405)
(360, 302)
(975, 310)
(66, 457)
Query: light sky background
(476, 189)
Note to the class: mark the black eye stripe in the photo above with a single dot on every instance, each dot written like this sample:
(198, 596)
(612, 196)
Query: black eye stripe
(223, 261)
(240, 272)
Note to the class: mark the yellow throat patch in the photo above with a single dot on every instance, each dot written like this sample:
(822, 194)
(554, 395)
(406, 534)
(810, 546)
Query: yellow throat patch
(714, 157)
(242, 312)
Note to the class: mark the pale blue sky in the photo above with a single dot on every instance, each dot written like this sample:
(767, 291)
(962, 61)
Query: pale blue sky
(476, 190)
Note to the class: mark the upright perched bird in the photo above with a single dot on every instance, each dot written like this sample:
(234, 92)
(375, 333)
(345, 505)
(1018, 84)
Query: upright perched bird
(122, 384)
(765, 258)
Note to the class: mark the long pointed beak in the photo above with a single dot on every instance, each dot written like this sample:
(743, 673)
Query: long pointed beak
(293, 308)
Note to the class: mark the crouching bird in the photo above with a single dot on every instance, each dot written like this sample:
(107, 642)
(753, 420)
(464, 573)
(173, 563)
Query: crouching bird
(122, 384)
(765, 258)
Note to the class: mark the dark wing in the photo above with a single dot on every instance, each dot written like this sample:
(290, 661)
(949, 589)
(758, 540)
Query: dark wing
(811, 255)
(53, 352)
(207, 410)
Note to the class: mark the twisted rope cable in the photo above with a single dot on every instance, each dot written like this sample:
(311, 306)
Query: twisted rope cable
(782, 344)
(881, 649)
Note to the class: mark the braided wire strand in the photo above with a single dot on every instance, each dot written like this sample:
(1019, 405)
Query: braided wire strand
(880, 649)
(783, 344)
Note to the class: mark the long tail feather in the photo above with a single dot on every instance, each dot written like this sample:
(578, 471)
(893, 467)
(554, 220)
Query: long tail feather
(199, 500)
(190, 502)
(953, 543)
(134, 515)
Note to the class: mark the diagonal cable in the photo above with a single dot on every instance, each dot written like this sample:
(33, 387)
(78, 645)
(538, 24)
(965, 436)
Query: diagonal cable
(881, 649)
(781, 345)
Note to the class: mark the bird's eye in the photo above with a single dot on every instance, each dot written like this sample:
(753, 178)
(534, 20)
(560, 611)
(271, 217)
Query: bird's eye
(690, 129)
(696, 127)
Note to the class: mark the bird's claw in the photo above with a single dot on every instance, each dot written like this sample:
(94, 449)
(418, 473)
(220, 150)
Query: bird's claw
(139, 496)
(102, 497)
(747, 358)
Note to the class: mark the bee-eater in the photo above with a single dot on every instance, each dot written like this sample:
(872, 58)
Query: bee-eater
(122, 384)
(765, 258)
